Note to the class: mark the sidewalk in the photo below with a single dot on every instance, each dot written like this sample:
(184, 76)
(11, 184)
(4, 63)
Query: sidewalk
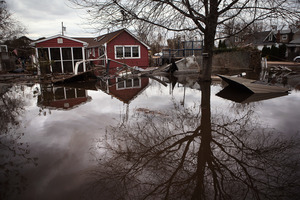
(283, 63)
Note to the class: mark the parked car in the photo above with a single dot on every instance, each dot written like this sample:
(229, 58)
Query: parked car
(297, 59)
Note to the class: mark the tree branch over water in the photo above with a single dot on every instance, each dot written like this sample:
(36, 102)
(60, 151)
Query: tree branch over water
(206, 16)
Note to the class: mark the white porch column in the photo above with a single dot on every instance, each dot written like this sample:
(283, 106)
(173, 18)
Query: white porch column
(36, 61)
(61, 60)
(72, 56)
(49, 52)
(83, 58)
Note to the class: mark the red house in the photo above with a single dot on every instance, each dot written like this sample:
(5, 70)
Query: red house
(124, 90)
(60, 53)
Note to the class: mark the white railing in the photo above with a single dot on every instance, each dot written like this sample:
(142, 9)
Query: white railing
(264, 63)
(103, 57)
(88, 60)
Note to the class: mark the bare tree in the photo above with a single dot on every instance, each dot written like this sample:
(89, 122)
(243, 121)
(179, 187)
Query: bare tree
(206, 16)
(9, 27)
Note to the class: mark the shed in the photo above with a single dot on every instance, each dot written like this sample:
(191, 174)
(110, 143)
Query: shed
(59, 53)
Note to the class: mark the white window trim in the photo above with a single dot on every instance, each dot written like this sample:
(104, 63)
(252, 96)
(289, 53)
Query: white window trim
(284, 37)
(139, 50)
(125, 87)
(270, 38)
(237, 39)
(61, 60)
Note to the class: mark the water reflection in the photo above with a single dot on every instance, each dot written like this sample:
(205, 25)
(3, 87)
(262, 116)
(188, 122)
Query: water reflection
(72, 95)
(242, 96)
(124, 90)
(177, 142)
(15, 154)
(61, 97)
(191, 153)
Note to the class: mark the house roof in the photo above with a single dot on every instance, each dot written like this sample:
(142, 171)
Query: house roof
(100, 40)
(93, 41)
(60, 36)
(258, 37)
(106, 38)
(296, 41)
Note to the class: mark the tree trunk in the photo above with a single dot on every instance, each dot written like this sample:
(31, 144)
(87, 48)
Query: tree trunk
(209, 39)
(205, 152)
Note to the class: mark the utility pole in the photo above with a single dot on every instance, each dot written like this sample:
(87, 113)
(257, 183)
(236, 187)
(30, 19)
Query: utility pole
(63, 28)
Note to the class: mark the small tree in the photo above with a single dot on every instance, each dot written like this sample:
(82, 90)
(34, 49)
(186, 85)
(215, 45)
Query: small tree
(282, 51)
(222, 44)
(9, 27)
(265, 51)
(274, 55)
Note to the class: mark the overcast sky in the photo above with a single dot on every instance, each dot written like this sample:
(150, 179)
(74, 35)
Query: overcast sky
(42, 18)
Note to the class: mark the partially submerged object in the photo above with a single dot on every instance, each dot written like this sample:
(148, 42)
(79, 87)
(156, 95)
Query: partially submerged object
(188, 64)
(244, 90)
(251, 85)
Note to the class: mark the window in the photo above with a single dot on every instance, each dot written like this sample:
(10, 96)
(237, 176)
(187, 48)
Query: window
(66, 54)
(62, 60)
(135, 52)
(128, 83)
(119, 52)
(77, 53)
(284, 37)
(270, 37)
(43, 54)
(127, 51)
(55, 53)
(237, 39)
(59, 40)
(3, 48)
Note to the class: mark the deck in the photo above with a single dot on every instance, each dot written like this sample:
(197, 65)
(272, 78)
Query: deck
(252, 87)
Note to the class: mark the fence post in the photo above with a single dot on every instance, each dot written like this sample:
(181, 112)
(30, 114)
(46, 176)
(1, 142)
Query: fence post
(107, 66)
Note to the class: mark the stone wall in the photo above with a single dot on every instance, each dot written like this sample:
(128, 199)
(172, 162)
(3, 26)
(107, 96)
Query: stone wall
(248, 59)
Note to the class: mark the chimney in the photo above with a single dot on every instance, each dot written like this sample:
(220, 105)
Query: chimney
(278, 36)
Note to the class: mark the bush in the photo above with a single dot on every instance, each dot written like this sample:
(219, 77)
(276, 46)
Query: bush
(274, 53)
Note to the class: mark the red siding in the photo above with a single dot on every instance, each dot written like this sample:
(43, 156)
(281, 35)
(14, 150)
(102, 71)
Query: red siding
(126, 39)
(61, 103)
(128, 94)
(53, 43)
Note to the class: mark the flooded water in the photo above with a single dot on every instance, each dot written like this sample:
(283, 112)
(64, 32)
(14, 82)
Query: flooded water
(140, 139)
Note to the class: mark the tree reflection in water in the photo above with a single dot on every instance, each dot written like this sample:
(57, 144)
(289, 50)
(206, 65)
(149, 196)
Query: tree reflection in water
(14, 154)
(186, 153)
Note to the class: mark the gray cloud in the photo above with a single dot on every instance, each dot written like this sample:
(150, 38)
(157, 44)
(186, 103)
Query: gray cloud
(43, 18)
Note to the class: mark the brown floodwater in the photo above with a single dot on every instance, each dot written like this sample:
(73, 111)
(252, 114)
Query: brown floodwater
(140, 139)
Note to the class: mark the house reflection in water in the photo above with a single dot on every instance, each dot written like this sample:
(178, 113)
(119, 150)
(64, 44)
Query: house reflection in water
(60, 97)
(124, 90)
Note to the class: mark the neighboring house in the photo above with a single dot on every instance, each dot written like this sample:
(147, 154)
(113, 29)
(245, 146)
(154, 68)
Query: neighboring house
(62, 52)
(289, 37)
(293, 47)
